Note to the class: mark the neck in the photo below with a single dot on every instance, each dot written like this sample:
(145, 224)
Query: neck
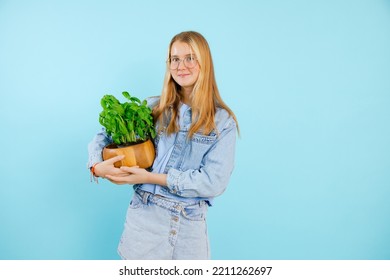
(186, 95)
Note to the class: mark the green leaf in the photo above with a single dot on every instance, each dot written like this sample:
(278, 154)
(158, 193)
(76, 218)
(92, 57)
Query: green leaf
(126, 94)
(128, 121)
(135, 99)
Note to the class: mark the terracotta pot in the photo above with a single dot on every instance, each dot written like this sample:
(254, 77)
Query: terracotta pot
(141, 154)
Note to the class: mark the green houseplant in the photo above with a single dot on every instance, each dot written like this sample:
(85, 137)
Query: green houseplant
(130, 124)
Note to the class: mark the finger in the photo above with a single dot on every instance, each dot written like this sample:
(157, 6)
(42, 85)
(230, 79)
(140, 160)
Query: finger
(117, 179)
(111, 179)
(116, 183)
(115, 159)
(129, 169)
(118, 172)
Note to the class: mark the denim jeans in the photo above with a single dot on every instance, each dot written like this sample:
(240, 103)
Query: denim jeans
(159, 228)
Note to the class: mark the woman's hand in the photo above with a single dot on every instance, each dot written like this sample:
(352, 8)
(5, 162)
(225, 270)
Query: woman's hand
(136, 175)
(107, 168)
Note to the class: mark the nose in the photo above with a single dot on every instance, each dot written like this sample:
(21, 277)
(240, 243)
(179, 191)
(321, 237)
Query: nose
(181, 65)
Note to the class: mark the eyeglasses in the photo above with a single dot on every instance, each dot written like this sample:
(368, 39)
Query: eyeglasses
(188, 61)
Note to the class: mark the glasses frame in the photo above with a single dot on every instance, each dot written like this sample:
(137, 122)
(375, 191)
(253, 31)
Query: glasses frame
(182, 60)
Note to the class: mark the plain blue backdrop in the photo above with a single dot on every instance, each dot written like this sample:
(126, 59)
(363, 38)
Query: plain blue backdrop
(308, 80)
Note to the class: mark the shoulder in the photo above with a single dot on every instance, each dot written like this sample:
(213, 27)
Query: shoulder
(152, 101)
(223, 120)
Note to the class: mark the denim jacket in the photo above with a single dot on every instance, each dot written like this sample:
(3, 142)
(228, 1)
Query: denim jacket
(198, 168)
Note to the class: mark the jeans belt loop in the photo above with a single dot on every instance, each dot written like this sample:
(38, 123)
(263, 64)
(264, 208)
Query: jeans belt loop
(145, 197)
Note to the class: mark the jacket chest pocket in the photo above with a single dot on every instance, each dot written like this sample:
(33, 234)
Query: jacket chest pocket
(196, 149)
(204, 139)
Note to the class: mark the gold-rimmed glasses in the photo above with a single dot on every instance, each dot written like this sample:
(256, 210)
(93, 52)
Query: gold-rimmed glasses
(189, 61)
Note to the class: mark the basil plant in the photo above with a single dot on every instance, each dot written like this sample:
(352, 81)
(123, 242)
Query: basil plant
(129, 122)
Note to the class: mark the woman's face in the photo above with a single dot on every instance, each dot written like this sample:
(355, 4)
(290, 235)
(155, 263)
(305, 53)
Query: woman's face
(186, 77)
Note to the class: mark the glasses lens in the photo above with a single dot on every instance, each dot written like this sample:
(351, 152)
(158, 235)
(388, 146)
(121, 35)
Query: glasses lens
(189, 62)
(173, 63)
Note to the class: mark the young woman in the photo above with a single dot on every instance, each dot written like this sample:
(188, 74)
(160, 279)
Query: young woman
(195, 146)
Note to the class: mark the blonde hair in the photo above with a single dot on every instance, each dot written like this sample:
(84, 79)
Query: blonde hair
(205, 95)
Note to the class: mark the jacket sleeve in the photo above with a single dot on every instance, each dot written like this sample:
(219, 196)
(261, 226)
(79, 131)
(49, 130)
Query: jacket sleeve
(212, 178)
(95, 147)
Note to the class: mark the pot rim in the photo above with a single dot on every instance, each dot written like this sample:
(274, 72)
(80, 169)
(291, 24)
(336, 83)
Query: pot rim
(116, 146)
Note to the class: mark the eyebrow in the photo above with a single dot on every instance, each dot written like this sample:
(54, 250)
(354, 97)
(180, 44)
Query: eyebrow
(190, 54)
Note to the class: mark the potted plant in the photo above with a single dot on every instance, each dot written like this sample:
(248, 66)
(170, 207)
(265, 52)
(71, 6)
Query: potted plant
(130, 124)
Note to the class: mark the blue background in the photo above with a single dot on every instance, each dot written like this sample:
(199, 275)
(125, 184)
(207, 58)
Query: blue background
(308, 80)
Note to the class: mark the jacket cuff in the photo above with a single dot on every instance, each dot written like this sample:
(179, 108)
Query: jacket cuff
(95, 158)
(173, 180)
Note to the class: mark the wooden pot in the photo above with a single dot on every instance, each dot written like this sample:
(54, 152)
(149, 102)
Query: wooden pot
(141, 154)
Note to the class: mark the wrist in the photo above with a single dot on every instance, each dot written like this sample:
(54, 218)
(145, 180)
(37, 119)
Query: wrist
(156, 178)
(93, 170)
(94, 176)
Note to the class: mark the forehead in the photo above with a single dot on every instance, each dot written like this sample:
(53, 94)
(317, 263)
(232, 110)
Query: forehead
(180, 49)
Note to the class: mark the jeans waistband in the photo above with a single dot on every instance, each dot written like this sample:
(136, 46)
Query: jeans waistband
(165, 202)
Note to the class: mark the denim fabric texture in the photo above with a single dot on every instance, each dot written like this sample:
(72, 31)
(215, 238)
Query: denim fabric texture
(198, 170)
(164, 229)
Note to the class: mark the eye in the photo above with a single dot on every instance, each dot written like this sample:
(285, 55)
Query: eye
(190, 59)
(175, 59)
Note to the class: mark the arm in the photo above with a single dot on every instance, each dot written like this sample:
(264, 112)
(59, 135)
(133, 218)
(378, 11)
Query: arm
(136, 175)
(96, 146)
(212, 177)
(102, 168)
(209, 180)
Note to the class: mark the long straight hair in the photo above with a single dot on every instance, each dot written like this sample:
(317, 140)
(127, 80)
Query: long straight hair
(205, 97)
